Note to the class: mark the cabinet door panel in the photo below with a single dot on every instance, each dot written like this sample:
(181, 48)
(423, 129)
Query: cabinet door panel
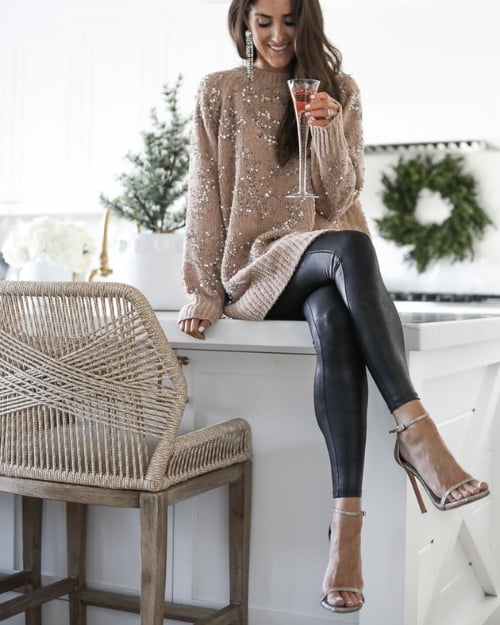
(289, 533)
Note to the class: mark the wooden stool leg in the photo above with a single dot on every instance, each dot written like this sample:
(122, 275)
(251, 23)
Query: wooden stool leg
(239, 540)
(32, 550)
(76, 535)
(153, 557)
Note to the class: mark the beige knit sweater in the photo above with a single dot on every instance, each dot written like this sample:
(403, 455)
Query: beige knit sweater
(244, 237)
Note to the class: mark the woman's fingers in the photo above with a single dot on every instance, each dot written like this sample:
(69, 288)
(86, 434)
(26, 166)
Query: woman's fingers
(322, 109)
(195, 327)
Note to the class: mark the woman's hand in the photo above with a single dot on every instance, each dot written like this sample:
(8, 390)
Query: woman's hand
(195, 327)
(321, 109)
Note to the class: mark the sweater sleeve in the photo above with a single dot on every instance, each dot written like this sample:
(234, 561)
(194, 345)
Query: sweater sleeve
(337, 154)
(204, 226)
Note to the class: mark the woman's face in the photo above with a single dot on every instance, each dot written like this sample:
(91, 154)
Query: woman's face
(273, 31)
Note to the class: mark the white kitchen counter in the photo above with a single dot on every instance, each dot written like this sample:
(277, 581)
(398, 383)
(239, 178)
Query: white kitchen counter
(426, 326)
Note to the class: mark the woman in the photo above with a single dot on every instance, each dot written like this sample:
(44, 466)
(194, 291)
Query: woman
(253, 253)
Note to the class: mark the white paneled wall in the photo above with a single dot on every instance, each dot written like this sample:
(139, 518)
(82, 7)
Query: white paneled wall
(82, 78)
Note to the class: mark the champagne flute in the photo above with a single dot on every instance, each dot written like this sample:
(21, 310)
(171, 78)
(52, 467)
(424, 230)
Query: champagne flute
(301, 90)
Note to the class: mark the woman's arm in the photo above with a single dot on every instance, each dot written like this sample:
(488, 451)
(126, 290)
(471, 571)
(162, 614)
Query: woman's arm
(337, 155)
(204, 227)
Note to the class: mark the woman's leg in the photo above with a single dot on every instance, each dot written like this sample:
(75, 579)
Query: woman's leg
(340, 399)
(340, 387)
(340, 402)
(348, 259)
(346, 262)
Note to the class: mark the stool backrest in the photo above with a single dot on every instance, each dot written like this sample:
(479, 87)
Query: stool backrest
(90, 390)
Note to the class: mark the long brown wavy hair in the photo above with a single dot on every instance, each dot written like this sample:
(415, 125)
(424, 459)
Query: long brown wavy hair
(315, 57)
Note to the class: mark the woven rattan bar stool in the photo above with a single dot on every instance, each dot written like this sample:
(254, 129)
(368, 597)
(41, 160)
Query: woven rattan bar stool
(91, 397)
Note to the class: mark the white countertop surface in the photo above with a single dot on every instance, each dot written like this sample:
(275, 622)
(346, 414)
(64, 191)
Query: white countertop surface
(426, 325)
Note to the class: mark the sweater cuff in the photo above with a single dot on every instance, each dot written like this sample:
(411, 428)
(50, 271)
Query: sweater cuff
(328, 140)
(201, 309)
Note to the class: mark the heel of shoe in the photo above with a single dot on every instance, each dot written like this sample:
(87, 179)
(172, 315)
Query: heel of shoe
(416, 490)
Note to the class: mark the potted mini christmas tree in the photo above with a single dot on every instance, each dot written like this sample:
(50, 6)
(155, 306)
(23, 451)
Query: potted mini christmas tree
(154, 198)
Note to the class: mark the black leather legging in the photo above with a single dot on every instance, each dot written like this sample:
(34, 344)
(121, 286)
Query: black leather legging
(338, 288)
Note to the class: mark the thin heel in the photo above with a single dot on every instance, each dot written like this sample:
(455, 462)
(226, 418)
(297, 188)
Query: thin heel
(418, 495)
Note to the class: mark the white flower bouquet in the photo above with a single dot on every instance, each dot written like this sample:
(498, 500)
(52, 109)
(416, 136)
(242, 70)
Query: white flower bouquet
(57, 242)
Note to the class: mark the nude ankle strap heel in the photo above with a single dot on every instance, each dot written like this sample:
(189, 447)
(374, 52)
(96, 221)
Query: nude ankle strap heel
(324, 597)
(413, 475)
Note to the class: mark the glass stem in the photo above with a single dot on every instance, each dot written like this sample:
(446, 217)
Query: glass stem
(303, 131)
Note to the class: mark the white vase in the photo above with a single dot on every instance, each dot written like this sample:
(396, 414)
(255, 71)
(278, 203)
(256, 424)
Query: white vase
(43, 271)
(152, 262)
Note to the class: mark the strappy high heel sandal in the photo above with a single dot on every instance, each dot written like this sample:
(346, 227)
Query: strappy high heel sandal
(413, 475)
(324, 597)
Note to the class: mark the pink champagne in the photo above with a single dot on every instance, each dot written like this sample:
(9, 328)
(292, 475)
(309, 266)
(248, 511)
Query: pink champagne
(301, 90)
(301, 97)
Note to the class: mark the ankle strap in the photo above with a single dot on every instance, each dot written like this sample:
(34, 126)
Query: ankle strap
(348, 513)
(404, 426)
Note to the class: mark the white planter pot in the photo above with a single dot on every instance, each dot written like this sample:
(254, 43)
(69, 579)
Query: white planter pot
(152, 262)
(40, 270)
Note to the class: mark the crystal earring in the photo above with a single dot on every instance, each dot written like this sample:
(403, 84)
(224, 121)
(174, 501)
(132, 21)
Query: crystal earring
(249, 50)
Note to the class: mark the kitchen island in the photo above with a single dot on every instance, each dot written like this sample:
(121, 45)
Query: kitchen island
(432, 569)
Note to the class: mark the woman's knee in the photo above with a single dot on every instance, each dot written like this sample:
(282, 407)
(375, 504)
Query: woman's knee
(325, 310)
(347, 242)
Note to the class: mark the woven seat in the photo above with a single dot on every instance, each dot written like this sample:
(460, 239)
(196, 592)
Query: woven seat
(91, 398)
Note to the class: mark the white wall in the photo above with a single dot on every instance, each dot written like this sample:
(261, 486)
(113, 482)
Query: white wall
(428, 69)
(82, 78)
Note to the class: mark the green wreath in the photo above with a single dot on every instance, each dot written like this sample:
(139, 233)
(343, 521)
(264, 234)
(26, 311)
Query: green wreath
(454, 237)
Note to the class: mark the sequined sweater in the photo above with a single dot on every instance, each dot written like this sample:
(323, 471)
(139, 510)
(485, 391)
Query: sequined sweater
(244, 237)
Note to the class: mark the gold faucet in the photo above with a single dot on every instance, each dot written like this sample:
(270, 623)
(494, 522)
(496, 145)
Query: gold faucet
(104, 269)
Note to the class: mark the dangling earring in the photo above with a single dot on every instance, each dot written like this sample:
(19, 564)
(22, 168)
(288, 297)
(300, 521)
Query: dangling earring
(249, 54)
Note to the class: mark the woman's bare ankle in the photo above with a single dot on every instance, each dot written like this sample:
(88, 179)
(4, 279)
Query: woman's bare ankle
(347, 504)
(408, 411)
